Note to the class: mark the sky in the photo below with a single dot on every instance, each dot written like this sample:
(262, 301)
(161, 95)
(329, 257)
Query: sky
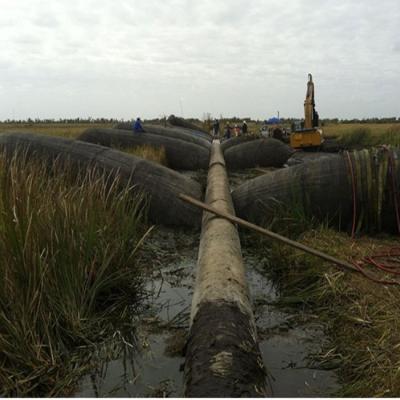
(150, 58)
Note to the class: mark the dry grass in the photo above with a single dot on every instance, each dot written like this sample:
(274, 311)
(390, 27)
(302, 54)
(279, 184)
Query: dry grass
(356, 135)
(362, 317)
(336, 130)
(150, 153)
(364, 135)
(74, 130)
(55, 129)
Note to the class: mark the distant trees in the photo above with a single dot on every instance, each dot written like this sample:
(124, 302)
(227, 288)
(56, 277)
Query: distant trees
(206, 117)
(78, 120)
(385, 120)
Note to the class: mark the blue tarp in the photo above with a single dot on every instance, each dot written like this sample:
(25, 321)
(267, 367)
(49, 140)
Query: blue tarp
(273, 120)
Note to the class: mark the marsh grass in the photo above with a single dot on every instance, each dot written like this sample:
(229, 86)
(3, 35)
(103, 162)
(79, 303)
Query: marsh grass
(68, 249)
(391, 136)
(69, 130)
(362, 318)
(357, 136)
(150, 153)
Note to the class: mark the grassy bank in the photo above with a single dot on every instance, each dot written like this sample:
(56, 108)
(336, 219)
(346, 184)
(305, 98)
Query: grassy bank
(362, 318)
(355, 136)
(68, 249)
(55, 129)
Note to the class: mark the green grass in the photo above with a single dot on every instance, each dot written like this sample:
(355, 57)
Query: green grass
(68, 250)
(356, 136)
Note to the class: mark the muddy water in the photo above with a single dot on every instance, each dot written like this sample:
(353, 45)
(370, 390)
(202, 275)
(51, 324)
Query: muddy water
(152, 367)
(287, 339)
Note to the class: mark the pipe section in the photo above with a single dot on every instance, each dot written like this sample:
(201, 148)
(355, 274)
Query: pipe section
(222, 357)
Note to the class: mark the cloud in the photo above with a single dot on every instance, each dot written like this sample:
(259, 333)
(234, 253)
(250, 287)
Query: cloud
(238, 57)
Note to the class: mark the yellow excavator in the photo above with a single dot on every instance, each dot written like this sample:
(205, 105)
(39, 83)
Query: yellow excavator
(309, 135)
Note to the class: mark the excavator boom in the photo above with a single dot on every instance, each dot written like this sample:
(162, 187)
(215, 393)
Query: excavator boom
(309, 104)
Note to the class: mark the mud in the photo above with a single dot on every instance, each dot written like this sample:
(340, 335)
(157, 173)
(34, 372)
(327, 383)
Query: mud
(223, 360)
(153, 367)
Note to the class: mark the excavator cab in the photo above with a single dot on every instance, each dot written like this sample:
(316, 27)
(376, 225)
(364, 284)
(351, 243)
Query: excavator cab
(309, 136)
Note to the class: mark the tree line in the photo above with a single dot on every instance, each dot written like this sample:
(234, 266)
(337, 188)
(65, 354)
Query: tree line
(89, 120)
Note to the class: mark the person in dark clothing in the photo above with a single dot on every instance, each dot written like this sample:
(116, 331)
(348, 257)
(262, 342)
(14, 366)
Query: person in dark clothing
(216, 128)
(244, 128)
(137, 126)
(315, 118)
(227, 132)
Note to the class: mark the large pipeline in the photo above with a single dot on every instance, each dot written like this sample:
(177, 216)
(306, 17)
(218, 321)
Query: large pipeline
(222, 356)
(181, 155)
(183, 123)
(161, 184)
(236, 140)
(180, 133)
(173, 132)
(358, 188)
(257, 153)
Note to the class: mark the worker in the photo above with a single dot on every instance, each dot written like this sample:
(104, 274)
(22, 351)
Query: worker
(315, 118)
(227, 131)
(236, 130)
(216, 128)
(137, 126)
(244, 128)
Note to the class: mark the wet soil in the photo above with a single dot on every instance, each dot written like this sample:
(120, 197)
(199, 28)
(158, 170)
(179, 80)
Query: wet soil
(152, 364)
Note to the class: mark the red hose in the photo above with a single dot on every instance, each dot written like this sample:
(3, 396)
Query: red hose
(379, 261)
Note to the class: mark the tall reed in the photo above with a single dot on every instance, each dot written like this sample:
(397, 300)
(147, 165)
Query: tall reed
(67, 251)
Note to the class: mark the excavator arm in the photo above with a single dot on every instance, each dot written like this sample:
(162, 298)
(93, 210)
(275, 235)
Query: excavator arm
(309, 105)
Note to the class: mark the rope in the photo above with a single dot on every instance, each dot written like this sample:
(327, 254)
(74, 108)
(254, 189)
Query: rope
(387, 262)
(383, 175)
(392, 173)
(353, 183)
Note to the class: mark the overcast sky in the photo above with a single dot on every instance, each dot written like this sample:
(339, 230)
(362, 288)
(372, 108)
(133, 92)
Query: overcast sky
(128, 58)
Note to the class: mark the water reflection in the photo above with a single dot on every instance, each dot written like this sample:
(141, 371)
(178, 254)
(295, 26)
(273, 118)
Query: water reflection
(150, 364)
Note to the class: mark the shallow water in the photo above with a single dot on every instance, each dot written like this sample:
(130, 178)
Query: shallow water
(285, 343)
(154, 368)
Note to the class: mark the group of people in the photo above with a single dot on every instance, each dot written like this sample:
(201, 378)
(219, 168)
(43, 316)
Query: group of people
(230, 131)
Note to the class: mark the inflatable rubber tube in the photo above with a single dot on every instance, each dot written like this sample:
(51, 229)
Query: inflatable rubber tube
(161, 184)
(257, 153)
(325, 189)
(181, 155)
